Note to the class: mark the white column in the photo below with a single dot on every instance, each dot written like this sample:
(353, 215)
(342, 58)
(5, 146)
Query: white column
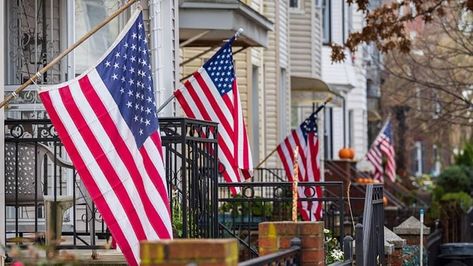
(165, 50)
(2, 133)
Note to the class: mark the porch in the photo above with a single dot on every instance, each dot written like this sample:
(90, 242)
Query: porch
(41, 183)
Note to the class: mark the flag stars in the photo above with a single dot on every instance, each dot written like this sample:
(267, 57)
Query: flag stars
(130, 93)
(116, 65)
(129, 104)
(114, 76)
(117, 54)
(108, 64)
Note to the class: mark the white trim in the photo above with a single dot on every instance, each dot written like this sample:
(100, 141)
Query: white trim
(109, 50)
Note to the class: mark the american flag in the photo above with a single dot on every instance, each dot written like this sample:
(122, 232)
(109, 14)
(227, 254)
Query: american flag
(304, 137)
(211, 94)
(383, 146)
(107, 121)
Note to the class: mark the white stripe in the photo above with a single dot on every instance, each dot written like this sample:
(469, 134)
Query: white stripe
(288, 157)
(302, 148)
(215, 94)
(108, 193)
(155, 198)
(211, 112)
(112, 155)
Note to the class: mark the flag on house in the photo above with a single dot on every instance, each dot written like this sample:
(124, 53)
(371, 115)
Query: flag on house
(107, 121)
(212, 94)
(305, 137)
(383, 148)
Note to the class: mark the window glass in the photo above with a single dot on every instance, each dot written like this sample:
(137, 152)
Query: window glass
(89, 13)
(326, 25)
(294, 3)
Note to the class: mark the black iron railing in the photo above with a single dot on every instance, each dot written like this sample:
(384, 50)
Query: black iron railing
(258, 202)
(39, 176)
(191, 165)
(288, 257)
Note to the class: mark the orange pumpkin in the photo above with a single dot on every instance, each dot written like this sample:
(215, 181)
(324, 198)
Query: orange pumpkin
(385, 201)
(346, 153)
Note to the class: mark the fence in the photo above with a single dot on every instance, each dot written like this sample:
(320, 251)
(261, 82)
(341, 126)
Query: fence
(288, 257)
(38, 176)
(272, 201)
(370, 235)
(190, 148)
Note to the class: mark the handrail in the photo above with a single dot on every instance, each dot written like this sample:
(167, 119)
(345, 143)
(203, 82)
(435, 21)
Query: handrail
(293, 251)
(239, 239)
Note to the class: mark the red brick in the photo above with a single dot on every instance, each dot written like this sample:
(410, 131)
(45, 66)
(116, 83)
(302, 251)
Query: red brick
(286, 228)
(285, 242)
(312, 242)
(311, 228)
(312, 256)
(268, 242)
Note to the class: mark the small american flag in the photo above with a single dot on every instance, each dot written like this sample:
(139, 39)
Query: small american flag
(304, 137)
(211, 94)
(383, 145)
(107, 121)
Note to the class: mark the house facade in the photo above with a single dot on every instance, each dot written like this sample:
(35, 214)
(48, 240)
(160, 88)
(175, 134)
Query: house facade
(282, 61)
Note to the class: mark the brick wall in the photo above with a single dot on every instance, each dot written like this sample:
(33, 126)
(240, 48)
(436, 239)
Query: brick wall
(183, 252)
(274, 236)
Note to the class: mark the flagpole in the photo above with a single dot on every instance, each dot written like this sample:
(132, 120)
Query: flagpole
(329, 99)
(38, 74)
(168, 100)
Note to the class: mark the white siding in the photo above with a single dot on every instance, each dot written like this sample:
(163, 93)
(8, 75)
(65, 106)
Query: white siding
(305, 40)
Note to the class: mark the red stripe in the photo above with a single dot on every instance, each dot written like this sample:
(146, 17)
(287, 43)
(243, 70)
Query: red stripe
(182, 101)
(102, 161)
(125, 155)
(284, 162)
(156, 138)
(88, 180)
(213, 104)
(302, 157)
(236, 129)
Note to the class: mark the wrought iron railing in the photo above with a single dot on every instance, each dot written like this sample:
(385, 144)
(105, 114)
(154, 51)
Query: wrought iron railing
(258, 202)
(38, 175)
(288, 257)
(191, 165)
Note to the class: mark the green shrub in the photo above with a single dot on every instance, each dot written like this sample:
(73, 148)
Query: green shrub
(460, 199)
(455, 179)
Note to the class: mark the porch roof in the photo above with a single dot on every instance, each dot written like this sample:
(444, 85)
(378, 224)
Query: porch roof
(213, 21)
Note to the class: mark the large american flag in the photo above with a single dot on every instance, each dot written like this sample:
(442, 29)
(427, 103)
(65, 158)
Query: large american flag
(107, 121)
(383, 147)
(211, 94)
(305, 137)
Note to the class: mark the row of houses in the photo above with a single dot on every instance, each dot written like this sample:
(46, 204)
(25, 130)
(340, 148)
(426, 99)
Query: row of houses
(282, 58)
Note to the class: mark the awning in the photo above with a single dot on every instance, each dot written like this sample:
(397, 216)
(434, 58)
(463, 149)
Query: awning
(374, 116)
(214, 22)
(308, 84)
(307, 90)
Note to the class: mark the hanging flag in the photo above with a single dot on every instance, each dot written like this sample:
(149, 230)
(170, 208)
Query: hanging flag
(305, 138)
(211, 94)
(107, 121)
(383, 146)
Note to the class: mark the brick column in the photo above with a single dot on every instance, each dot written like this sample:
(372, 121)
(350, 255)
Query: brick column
(275, 236)
(183, 252)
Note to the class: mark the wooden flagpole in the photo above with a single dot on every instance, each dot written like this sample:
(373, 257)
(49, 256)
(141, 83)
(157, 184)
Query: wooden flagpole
(329, 99)
(295, 180)
(33, 78)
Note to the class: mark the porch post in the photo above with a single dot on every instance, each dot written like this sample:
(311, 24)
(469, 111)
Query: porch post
(2, 133)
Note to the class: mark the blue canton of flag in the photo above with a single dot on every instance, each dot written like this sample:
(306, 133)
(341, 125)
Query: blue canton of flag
(220, 68)
(309, 126)
(126, 72)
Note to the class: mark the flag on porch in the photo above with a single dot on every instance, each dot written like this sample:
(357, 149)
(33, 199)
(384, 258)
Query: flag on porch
(305, 138)
(107, 121)
(211, 93)
(383, 147)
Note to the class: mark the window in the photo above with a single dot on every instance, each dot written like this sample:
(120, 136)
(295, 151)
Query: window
(326, 21)
(89, 13)
(436, 161)
(282, 103)
(418, 158)
(328, 133)
(351, 138)
(294, 4)
(255, 114)
(348, 21)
